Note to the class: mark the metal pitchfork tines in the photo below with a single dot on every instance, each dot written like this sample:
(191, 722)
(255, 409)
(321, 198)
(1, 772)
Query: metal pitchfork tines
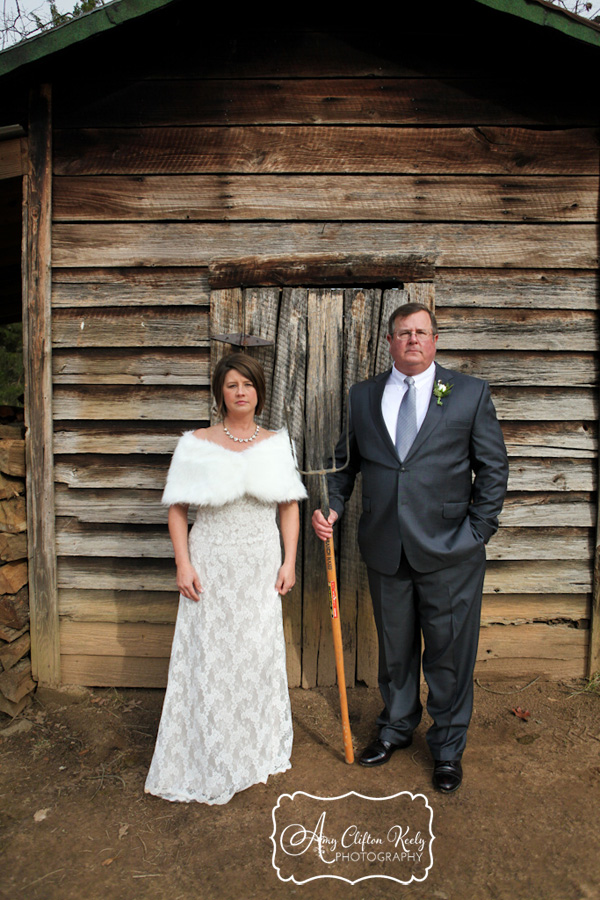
(331, 573)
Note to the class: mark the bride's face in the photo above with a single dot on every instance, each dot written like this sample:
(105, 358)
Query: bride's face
(239, 394)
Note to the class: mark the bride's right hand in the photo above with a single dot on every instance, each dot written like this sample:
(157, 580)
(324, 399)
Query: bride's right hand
(188, 582)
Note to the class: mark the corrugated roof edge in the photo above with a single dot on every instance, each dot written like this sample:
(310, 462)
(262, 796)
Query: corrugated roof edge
(90, 24)
(546, 14)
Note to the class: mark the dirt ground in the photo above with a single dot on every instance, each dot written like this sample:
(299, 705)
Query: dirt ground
(75, 821)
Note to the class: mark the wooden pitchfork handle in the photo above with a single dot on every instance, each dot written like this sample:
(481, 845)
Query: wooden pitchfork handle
(336, 628)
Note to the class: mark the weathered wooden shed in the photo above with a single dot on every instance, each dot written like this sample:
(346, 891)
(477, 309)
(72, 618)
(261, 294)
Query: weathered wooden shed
(182, 178)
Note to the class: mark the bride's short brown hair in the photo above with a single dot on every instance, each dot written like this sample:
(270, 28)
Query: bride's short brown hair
(246, 366)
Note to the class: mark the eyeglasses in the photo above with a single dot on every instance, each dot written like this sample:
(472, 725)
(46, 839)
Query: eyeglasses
(420, 334)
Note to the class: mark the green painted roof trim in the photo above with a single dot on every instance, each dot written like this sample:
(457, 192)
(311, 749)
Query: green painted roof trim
(48, 42)
(541, 13)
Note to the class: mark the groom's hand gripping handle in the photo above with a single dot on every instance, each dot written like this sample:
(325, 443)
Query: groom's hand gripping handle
(323, 527)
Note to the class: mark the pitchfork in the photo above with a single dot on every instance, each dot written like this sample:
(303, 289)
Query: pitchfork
(331, 575)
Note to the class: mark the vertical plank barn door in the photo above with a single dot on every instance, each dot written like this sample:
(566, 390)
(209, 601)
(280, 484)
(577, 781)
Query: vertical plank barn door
(324, 340)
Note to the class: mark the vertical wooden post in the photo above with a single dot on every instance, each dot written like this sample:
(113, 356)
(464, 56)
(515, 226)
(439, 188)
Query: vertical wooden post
(37, 348)
(594, 651)
(594, 646)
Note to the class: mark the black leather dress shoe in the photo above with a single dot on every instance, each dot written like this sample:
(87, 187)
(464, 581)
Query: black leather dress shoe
(378, 752)
(447, 775)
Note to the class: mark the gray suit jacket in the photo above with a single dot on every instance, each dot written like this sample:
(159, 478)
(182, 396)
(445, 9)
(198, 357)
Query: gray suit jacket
(442, 503)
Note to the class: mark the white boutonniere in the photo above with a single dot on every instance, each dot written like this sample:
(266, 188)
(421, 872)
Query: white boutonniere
(441, 390)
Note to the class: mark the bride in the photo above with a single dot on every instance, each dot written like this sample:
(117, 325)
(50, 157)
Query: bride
(226, 720)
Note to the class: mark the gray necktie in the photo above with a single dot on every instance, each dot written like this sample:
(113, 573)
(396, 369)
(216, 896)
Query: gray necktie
(406, 426)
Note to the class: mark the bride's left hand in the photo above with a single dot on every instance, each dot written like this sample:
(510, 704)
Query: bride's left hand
(286, 579)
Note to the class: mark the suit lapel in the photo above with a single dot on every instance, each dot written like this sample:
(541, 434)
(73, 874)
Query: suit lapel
(435, 412)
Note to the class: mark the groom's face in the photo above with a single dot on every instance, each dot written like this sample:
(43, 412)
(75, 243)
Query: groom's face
(412, 345)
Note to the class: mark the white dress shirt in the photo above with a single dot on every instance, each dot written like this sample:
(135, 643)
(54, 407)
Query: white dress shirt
(395, 390)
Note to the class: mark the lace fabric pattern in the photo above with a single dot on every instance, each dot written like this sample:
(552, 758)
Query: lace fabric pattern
(226, 722)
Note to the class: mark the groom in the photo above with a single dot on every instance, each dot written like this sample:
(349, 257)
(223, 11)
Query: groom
(434, 472)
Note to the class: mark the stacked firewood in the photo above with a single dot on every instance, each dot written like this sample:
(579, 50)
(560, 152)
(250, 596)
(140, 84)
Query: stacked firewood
(16, 683)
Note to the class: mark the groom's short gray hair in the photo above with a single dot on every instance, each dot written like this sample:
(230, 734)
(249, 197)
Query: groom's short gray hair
(409, 309)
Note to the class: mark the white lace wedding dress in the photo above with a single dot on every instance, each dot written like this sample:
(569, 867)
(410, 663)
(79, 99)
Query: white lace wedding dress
(226, 722)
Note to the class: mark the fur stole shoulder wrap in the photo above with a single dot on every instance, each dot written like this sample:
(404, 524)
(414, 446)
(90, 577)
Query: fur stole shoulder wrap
(203, 473)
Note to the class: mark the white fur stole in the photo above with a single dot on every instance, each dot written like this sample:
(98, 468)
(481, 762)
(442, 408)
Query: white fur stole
(203, 473)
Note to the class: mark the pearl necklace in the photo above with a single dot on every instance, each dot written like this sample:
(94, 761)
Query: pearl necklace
(240, 440)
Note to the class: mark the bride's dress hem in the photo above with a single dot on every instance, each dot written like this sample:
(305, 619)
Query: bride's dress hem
(181, 797)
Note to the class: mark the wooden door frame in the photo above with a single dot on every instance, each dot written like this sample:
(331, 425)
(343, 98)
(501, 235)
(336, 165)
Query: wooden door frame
(237, 306)
(335, 270)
